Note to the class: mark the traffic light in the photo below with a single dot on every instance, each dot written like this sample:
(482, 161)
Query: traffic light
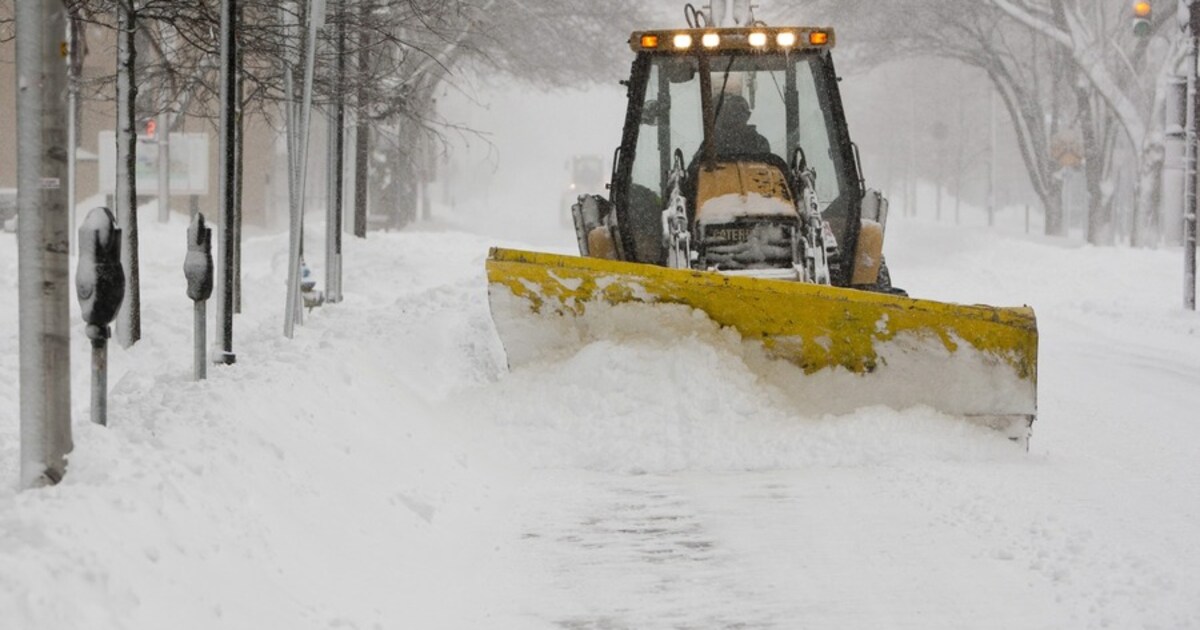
(151, 127)
(1142, 12)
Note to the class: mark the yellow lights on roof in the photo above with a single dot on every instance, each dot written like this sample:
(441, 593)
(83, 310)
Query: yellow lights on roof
(757, 39)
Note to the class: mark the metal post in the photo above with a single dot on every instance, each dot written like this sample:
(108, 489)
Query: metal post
(1174, 169)
(75, 59)
(240, 152)
(226, 185)
(314, 15)
(42, 244)
(991, 200)
(293, 280)
(339, 156)
(72, 146)
(1189, 214)
(200, 321)
(100, 380)
(911, 194)
(331, 192)
(164, 167)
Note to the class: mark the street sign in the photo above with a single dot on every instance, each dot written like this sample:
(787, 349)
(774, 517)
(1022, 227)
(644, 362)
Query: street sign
(189, 164)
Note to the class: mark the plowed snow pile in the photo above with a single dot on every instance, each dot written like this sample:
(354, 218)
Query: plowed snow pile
(386, 469)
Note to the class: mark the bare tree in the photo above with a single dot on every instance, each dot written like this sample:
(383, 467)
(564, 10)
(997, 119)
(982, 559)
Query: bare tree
(1063, 68)
(1134, 96)
(129, 320)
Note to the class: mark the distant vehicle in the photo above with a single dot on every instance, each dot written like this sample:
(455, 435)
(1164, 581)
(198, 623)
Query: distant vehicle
(585, 176)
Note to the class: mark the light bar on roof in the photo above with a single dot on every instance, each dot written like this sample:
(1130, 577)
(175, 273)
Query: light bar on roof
(716, 40)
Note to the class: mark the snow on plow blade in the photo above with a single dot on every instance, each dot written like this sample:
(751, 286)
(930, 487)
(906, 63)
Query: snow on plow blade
(977, 362)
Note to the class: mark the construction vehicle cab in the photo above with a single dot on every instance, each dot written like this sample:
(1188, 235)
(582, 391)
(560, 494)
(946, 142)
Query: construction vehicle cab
(742, 132)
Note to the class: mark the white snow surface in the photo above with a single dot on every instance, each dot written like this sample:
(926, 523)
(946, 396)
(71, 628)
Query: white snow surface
(734, 206)
(386, 469)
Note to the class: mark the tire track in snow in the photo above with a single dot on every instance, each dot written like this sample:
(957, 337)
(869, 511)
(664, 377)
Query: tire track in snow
(632, 552)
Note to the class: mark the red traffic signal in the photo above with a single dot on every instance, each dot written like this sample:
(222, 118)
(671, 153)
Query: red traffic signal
(151, 127)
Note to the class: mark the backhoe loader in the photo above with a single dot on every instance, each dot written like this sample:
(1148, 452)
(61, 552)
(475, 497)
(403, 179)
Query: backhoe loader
(737, 191)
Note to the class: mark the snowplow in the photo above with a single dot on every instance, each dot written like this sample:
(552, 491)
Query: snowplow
(737, 192)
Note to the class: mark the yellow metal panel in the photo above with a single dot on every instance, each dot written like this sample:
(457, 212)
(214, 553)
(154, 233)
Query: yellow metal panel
(812, 326)
(869, 257)
(741, 178)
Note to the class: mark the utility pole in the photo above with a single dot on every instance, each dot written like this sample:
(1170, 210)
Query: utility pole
(43, 259)
(240, 152)
(74, 65)
(226, 190)
(337, 168)
(1192, 31)
(991, 200)
(315, 16)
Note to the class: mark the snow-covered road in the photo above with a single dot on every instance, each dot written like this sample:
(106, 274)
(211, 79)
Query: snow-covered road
(385, 469)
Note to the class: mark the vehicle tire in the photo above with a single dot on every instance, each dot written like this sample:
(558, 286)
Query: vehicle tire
(884, 283)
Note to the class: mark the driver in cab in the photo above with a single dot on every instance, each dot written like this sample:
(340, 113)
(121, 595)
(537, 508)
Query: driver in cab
(733, 133)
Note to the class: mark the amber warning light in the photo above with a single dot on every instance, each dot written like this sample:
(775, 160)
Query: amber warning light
(1141, 19)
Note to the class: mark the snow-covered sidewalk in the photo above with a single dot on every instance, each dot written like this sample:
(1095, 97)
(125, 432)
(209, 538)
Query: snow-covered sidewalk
(386, 470)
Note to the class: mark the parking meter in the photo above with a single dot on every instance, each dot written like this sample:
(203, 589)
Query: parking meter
(100, 287)
(198, 264)
(198, 270)
(99, 278)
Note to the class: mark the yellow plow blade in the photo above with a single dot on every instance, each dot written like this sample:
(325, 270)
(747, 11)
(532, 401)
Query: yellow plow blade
(974, 361)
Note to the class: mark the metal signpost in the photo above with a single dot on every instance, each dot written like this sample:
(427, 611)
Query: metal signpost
(1190, 9)
(225, 245)
(315, 16)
